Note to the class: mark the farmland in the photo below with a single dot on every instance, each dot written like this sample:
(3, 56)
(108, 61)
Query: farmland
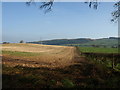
(39, 55)
(98, 50)
(47, 66)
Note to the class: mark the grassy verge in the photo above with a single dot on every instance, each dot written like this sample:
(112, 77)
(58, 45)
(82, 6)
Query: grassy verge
(16, 53)
(26, 77)
(106, 56)
(75, 76)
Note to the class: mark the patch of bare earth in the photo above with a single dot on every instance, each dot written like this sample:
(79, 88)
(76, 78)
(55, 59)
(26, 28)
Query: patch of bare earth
(48, 55)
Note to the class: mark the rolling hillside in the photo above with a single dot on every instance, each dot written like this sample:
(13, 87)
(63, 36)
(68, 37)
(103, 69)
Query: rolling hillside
(63, 41)
(111, 41)
(104, 42)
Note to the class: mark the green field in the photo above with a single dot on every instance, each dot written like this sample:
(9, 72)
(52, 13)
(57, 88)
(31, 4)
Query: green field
(98, 50)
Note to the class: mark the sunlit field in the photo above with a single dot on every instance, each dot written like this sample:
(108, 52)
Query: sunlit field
(46, 66)
(98, 50)
(38, 55)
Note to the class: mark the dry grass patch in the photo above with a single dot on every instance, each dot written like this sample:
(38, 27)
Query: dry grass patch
(38, 55)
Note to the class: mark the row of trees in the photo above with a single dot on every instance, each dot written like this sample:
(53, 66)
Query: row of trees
(21, 41)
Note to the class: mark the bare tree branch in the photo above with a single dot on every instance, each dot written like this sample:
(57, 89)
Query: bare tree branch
(47, 6)
(92, 3)
(116, 13)
(29, 2)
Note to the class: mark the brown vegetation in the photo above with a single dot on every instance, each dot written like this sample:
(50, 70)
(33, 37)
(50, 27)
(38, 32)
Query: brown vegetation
(40, 55)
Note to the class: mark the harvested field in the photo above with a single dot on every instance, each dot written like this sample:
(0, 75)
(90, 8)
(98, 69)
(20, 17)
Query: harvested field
(45, 66)
(35, 55)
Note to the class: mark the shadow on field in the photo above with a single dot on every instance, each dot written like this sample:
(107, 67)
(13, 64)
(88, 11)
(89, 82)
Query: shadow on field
(80, 75)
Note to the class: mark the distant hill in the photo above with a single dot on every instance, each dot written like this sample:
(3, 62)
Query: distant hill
(104, 42)
(63, 41)
(109, 42)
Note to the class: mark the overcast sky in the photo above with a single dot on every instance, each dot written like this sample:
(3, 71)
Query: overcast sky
(66, 20)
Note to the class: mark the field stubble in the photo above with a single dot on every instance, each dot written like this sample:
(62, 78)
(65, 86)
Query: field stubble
(34, 55)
